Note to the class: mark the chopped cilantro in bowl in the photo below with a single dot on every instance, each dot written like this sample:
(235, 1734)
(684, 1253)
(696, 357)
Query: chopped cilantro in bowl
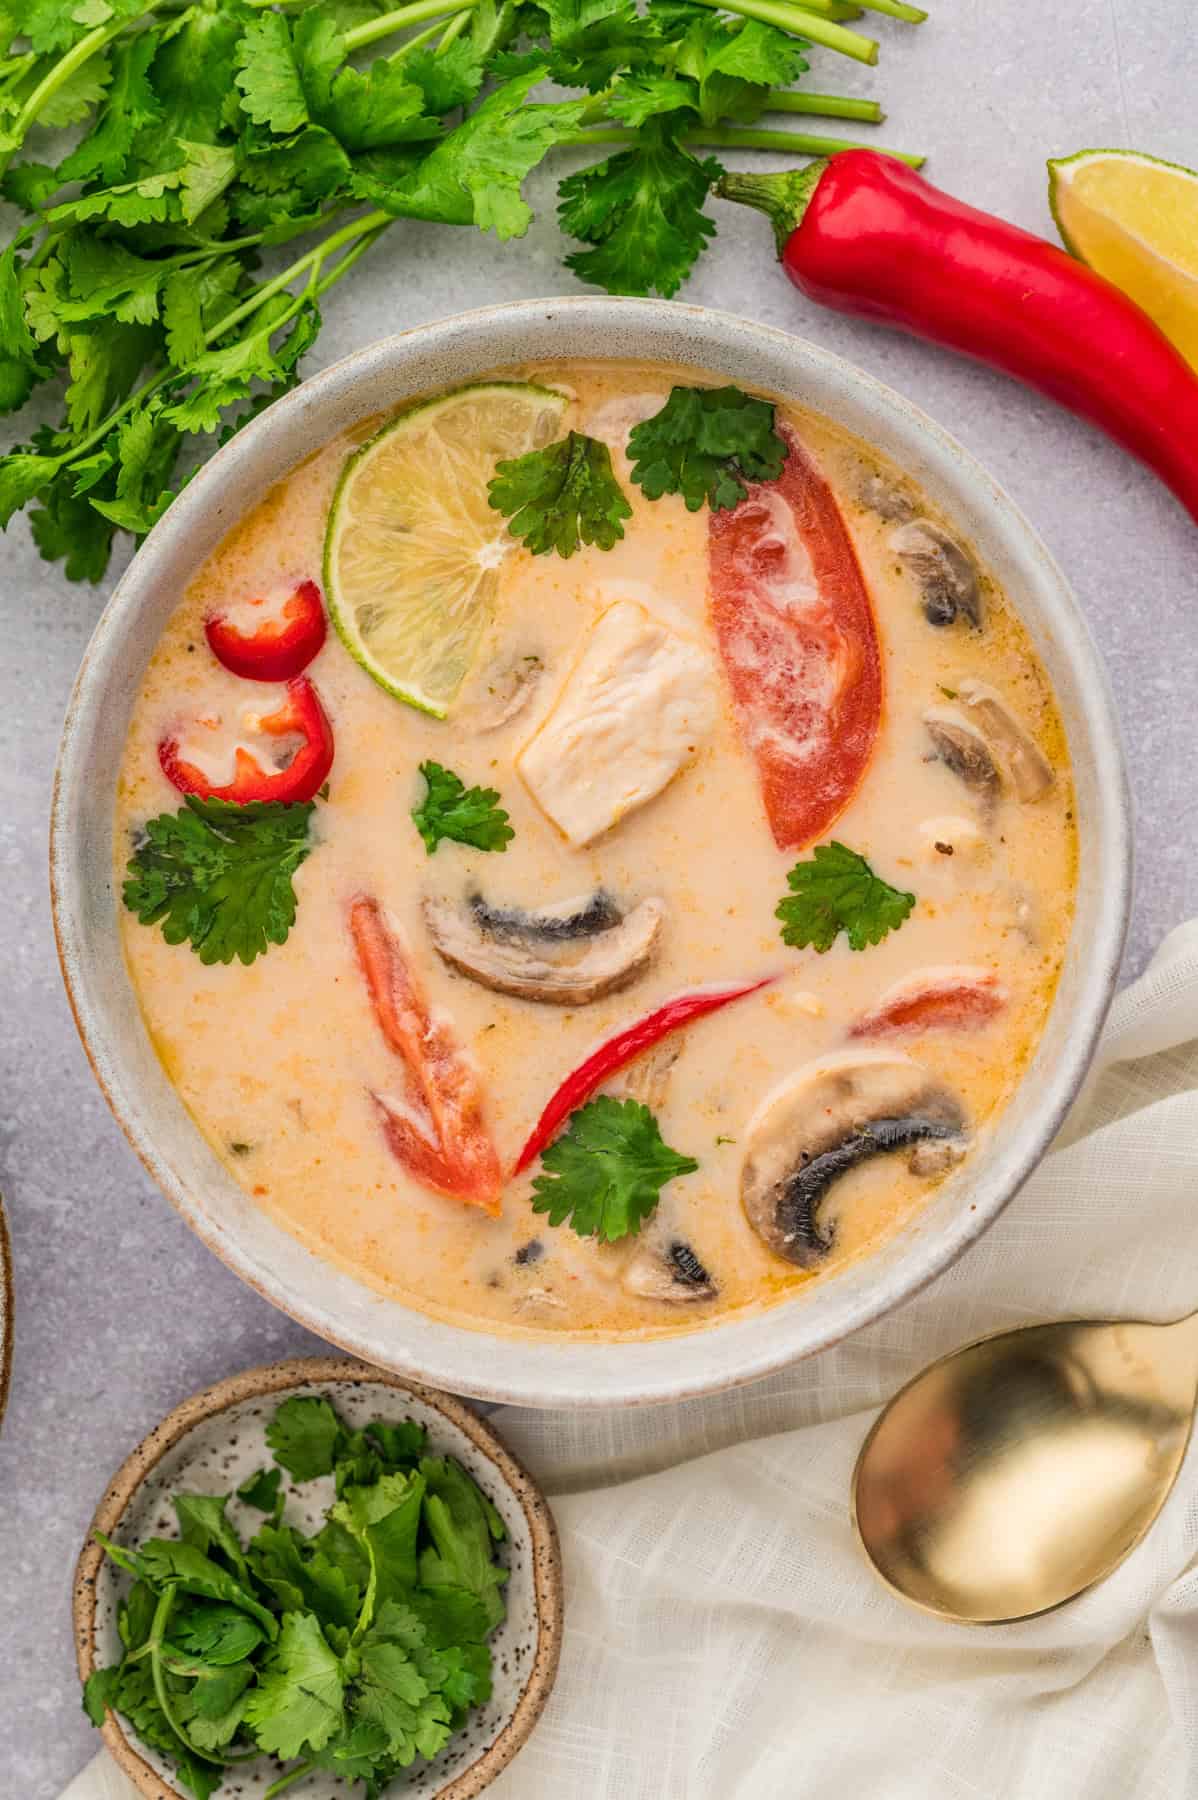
(332, 1591)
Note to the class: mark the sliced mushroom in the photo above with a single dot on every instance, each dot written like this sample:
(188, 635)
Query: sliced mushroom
(669, 1271)
(962, 747)
(830, 1117)
(886, 497)
(559, 956)
(501, 693)
(1025, 764)
(944, 570)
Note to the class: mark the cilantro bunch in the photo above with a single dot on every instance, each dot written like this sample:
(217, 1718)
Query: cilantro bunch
(145, 280)
(356, 1650)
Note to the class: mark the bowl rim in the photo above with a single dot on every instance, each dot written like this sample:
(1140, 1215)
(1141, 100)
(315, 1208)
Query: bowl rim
(306, 1371)
(464, 1370)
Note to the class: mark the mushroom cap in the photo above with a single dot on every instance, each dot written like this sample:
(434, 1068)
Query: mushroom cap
(946, 571)
(559, 957)
(1026, 767)
(668, 1271)
(825, 1119)
(963, 747)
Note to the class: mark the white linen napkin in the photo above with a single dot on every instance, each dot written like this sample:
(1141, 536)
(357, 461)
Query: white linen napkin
(725, 1639)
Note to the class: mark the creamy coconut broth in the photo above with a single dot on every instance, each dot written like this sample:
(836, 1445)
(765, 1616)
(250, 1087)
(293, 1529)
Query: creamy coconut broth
(280, 1062)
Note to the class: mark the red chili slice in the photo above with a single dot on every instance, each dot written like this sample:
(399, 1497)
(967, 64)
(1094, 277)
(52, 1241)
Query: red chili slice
(963, 998)
(458, 1156)
(301, 715)
(283, 641)
(620, 1050)
(799, 642)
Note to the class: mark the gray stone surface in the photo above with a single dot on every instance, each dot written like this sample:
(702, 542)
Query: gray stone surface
(120, 1311)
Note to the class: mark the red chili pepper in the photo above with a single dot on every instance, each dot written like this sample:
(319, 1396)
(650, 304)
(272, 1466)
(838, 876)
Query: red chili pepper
(620, 1050)
(283, 642)
(301, 715)
(866, 235)
(443, 1140)
(798, 638)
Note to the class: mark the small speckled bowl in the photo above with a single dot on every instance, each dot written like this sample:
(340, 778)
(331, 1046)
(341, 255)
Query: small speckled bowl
(215, 1441)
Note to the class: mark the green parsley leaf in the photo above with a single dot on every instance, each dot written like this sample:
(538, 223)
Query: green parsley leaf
(838, 891)
(606, 1171)
(642, 211)
(261, 1491)
(562, 496)
(705, 444)
(298, 1700)
(304, 1436)
(220, 876)
(464, 815)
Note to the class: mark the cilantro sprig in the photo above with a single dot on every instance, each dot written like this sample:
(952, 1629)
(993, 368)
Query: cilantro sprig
(464, 815)
(221, 876)
(562, 496)
(605, 1173)
(838, 891)
(355, 1650)
(705, 444)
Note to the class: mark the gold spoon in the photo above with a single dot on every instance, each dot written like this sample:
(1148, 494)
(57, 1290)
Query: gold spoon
(1013, 1474)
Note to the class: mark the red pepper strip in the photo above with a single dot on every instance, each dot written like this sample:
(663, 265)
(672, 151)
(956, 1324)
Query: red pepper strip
(301, 715)
(459, 1147)
(866, 235)
(799, 642)
(934, 999)
(620, 1050)
(284, 643)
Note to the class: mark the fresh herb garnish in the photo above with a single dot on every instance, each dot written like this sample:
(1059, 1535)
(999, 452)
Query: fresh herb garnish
(562, 496)
(606, 1171)
(464, 815)
(220, 876)
(838, 891)
(355, 1650)
(705, 444)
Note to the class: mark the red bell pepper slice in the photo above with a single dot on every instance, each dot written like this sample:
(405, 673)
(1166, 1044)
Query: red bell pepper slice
(301, 715)
(799, 642)
(283, 640)
(456, 1156)
(617, 1051)
(933, 999)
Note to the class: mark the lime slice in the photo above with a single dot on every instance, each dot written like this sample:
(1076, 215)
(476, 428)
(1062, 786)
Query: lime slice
(1135, 220)
(412, 552)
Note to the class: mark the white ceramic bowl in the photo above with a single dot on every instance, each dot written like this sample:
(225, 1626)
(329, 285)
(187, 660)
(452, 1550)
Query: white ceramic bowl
(334, 1303)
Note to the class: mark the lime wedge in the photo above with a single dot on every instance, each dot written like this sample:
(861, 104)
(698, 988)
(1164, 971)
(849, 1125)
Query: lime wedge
(1134, 219)
(412, 551)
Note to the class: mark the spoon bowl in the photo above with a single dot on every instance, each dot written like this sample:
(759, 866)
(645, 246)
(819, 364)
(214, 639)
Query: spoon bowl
(1015, 1473)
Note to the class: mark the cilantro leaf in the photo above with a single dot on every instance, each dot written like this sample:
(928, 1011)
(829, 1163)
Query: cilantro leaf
(164, 1560)
(606, 1171)
(100, 1691)
(129, 106)
(215, 1632)
(562, 496)
(22, 475)
(268, 76)
(642, 211)
(382, 107)
(464, 815)
(705, 444)
(449, 77)
(393, 1695)
(298, 1700)
(202, 1522)
(220, 876)
(20, 366)
(838, 891)
(461, 1523)
(302, 1578)
(734, 64)
(385, 1520)
(65, 527)
(261, 1491)
(304, 1436)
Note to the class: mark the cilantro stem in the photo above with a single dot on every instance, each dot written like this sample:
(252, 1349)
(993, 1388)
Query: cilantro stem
(824, 106)
(895, 9)
(453, 30)
(60, 73)
(797, 143)
(802, 24)
(395, 21)
(285, 1781)
(417, 42)
(157, 1633)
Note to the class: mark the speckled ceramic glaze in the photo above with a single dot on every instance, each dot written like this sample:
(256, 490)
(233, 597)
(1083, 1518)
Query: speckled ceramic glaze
(334, 1302)
(5, 1310)
(215, 1441)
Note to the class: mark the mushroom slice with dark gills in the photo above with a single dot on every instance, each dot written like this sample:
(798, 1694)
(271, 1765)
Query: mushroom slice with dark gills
(564, 955)
(945, 571)
(829, 1117)
(1023, 763)
(962, 747)
(667, 1271)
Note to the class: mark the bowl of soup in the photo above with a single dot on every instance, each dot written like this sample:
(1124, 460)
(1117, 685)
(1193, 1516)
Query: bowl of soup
(590, 851)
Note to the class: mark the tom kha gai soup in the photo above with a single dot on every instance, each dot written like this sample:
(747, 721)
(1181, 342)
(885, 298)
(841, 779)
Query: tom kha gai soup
(597, 851)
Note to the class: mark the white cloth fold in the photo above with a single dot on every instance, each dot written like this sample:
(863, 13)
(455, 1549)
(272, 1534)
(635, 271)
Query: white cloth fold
(724, 1637)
